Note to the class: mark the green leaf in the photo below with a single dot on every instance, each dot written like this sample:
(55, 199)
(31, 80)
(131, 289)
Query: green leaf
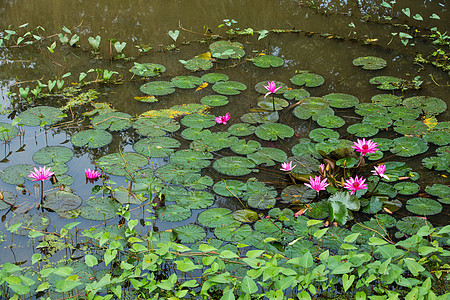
(347, 281)
(308, 79)
(423, 206)
(414, 267)
(186, 82)
(248, 286)
(234, 165)
(267, 61)
(147, 69)
(370, 62)
(158, 88)
(91, 138)
(90, 260)
(274, 131)
(229, 87)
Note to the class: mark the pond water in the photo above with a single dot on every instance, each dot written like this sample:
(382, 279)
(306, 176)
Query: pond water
(323, 37)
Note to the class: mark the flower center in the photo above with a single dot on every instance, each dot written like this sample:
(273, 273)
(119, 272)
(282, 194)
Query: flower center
(355, 184)
(365, 147)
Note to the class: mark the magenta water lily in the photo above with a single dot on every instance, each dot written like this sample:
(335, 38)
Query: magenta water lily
(379, 170)
(355, 184)
(365, 147)
(271, 87)
(223, 119)
(91, 174)
(41, 174)
(287, 166)
(317, 184)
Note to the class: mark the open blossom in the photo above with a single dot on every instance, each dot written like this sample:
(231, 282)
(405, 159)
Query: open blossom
(316, 184)
(365, 147)
(354, 184)
(379, 170)
(271, 87)
(287, 166)
(91, 174)
(223, 119)
(41, 174)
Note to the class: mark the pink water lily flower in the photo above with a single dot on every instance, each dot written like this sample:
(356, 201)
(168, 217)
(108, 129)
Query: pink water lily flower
(321, 168)
(379, 170)
(365, 147)
(271, 87)
(287, 166)
(91, 174)
(223, 119)
(355, 184)
(41, 174)
(317, 184)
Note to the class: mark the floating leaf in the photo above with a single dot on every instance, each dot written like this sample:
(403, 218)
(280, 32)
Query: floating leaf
(60, 201)
(190, 233)
(156, 147)
(387, 99)
(267, 61)
(267, 103)
(348, 162)
(124, 196)
(227, 49)
(273, 131)
(296, 94)
(410, 225)
(440, 138)
(215, 100)
(377, 121)
(16, 174)
(41, 115)
(318, 210)
(241, 129)
(409, 146)
(186, 82)
(410, 127)
(387, 82)
(214, 77)
(321, 134)
(8, 200)
(58, 168)
(362, 130)
(233, 233)
(155, 126)
(404, 113)
(216, 141)
(339, 100)
(146, 99)
(195, 200)
(175, 174)
(423, 206)
(114, 121)
(216, 217)
(305, 147)
(91, 138)
(229, 188)
(58, 154)
(245, 215)
(304, 165)
(194, 133)
(334, 146)
(263, 117)
(366, 109)
(7, 132)
(229, 87)
(199, 121)
(234, 165)
(330, 121)
(370, 62)
(147, 69)
(298, 194)
(407, 188)
(173, 213)
(245, 147)
(196, 64)
(267, 156)
(158, 88)
(307, 79)
(427, 105)
(176, 111)
(202, 183)
(191, 159)
(37, 222)
(121, 164)
(438, 190)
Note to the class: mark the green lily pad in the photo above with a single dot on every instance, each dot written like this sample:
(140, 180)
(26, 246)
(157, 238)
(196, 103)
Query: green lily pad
(100, 209)
(91, 138)
(46, 155)
(191, 159)
(241, 129)
(408, 146)
(330, 121)
(304, 113)
(403, 113)
(267, 156)
(190, 233)
(114, 121)
(370, 62)
(214, 77)
(377, 121)
(147, 69)
(347, 162)
(365, 109)
(339, 100)
(186, 82)
(259, 87)
(267, 103)
(124, 196)
(121, 164)
(298, 194)
(303, 165)
(217, 141)
(427, 105)
(234, 165)
(8, 200)
(263, 117)
(440, 138)
(156, 147)
(173, 213)
(307, 79)
(438, 190)
(387, 99)
(216, 217)
(436, 163)
(233, 233)
(423, 206)
(227, 49)
(58, 168)
(267, 61)
(172, 192)
(245, 216)
(195, 200)
(229, 87)
(387, 82)
(199, 121)
(340, 148)
(296, 94)
(314, 103)
(41, 115)
(305, 147)
(229, 188)
(273, 131)
(410, 225)
(16, 174)
(321, 134)
(38, 222)
(407, 188)
(318, 210)
(202, 183)
(194, 133)
(157, 88)
(155, 126)
(62, 201)
(383, 188)
(176, 174)
(410, 127)
(214, 100)
(244, 147)
(7, 132)
(362, 130)
(196, 64)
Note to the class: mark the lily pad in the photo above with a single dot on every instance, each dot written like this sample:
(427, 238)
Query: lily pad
(365, 109)
(91, 138)
(190, 233)
(267, 61)
(195, 200)
(234, 165)
(233, 233)
(273, 131)
(308, 79)
(196, 64)
(321, 134)
(155, 126)
(245, 216)
(156, 147)
(330, 121)
(387, 82)
(8, 200)
(362, 130)
(341, 147)
(173, 213)
(296, 94)
(147, 69)
(41, 115)
(99, 209)
(318, 210)
(216, 141)
(38, 222)
(377, 121)
(227, 49)
(214, 100)
(304, 113)
(58, 168)
(194, 133)
(263, 117)
(303, 165)
(241, 129)
(408, 146)
(214, 77)
(186, 82)
(245, 147)
(305, 147)
(7, 132)
(370, 62)
(423, 206)
(427, 105)
(440, 138)
(58, 154)
(314, 103)
(16, 174)
(229, 87)
(191, 159)
(267, 103)
(216, 217)
(199, 121)
(158, 88)
(410, 127)
(410, 225)
(438, 190)
(298, 194)
(387, 99)
(407, 188)
(61, 201)
(267, 156)
(403, 113)
(123, 163)
(347, 162)
(339, 100)
(202, 183)
(114, 121)
(229, 188)
(176, 174)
